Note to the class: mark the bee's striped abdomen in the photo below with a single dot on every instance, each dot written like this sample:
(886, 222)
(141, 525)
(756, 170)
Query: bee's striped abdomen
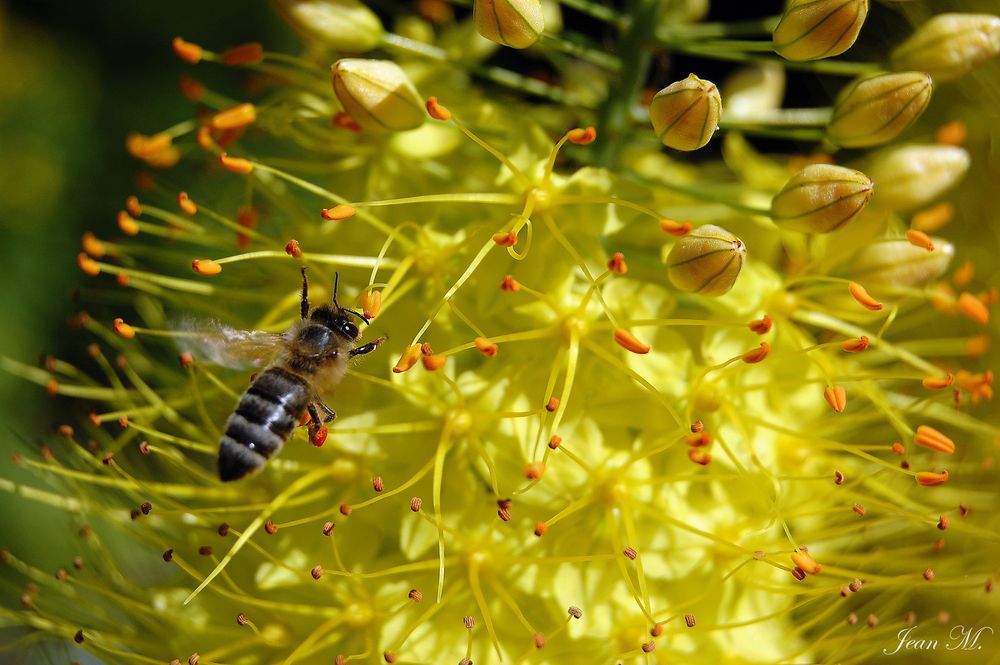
(265, 416)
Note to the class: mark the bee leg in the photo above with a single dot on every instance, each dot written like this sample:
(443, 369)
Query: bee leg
(369, 347)
(304, 306)
(330, 415)
(314, 421)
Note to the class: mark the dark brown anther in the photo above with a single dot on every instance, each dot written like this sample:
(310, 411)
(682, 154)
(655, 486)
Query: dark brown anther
(943, 617)
(121, 361)
(504, 514)
(943, 522)
(852, 618)
(47, 453)
(62, 574)
(426, 349)
(270, 527)
(689, 620)
(146, 507)
(93, 350)
(415, 504)
(904, 465)
(928, 574)
(107, 459)
(65, 431)
(316, 572)
(175, 662)
(144, 447)
(552, 404)
(872, 620)
(194, 659)
(78, 637)
(26, 601)
(469, 622)
(939, 544)
(242, 619)
(855, 586)
(78, 562)
(988, 587)
(910, 618)
(630, 553)
(86, 532)
(168, 556)
(844, 592)
(377, 484)
(328, 528)
(838, 477)
(859, 509)
(340, 660)
(697, 427)
(465, 661)
(648, 647)
(574, 612)
(415, 595)
(389, 657)
(205, 550)
(798, 574)
(539, 640)
(555, 441)
(134, 514)
(963, 509)
(223, 529)
(123, 422)
(16, 458)
(345, 509)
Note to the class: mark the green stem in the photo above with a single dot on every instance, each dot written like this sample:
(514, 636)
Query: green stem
(699, 193)
(692, 31)
(600, 12)
(593, 56)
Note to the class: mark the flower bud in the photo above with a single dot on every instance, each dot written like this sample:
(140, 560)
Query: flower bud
(513, 23)
(875, 110)
(686, 113)
(377, 94)
(343, 25)
(821, 198)
(706, 261)
(949, 45)
(814, 29)
(911, 176)
(898, 263)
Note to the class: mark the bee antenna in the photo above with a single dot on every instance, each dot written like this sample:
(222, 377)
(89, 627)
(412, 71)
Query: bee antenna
(357, 314)
(336, 283)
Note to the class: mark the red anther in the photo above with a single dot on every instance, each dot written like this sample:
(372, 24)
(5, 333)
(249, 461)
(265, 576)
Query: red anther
(552, 404)
(205, 550)
(87, 264)
(78, 636)
(426, 349)
(898, 448)
(415, 595)
(617, 264)
(292, 249)
(928, 574)
(204, 138)
(856, 345)
(244, 54)
(855, 586)
(486, 347)
(756, 355)
(345, 121)
(338, 212)
(270, 527)
(186, 51)
(436, 110)
(186, 204)
(951, 133)
(675, 228)
(320, 437)
(582, 136)
(963, 509)
(539, 640)
(65, 431)
(223, 529)
(803, 560)
(534, 471)
(345, 509)
(698, 439)
(508, 239)
(191, 88)
(122, 279)
(107, 459)
(510, 284)
(656, 630)
(555, 441)
(52, 387)
(92, 246)
(762, 325)
(133, 206)
(943, 522)
(123, 422)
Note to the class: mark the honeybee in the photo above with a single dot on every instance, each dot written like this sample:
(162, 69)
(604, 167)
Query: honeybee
(310, 358)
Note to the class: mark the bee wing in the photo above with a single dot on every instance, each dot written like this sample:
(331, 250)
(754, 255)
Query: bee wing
(227, 346)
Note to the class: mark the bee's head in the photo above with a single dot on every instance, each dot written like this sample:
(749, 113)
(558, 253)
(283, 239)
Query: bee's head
(338, 319)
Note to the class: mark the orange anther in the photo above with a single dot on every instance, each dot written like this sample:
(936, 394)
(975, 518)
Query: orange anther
(437, 111)
(237, 116)
(581, 136)
(433, 363)
(973, 308)
(133, 206)
(510, 284)
(933, 218)
(127, 225)
(540, 528)
(920, 239)
(186, 51)
(534, 471)
(411, 355)
(943, 522)
(630, 343)
(92, 246)
(552, 404)
(758, 354)
(698, 439)
(951, 133)
(856, 345)
(804, 561)
(931, 478)
(937, 382)
(864, 299)
(836, 397)
(244, 54)
(371, 303)
(699, 456)
(838, 477)
(191, 88)
(122, 279)
(697, 426)
(338, 212)
(964, 274)
(123, 329)
(292, 249)
(186, 204)
(899, 448)
(206, 267)
(246, 217)
(236, 164)
(52, 387)
(345, 121)
(145, 147)
(204, 137)
(761, 326)
(978, 345)
(617, 264)
(675, 228)
(485, 346)
(555, 441)
(928, 437)
(508, 239)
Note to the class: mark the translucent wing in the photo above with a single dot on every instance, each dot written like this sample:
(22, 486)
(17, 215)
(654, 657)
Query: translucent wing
(224, 345)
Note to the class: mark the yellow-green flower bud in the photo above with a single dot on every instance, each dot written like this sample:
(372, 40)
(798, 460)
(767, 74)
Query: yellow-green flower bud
(686, 113)
(908, 177)
(706, 261)
(343, 25)
(377, 94)
(814, 29)
(514, 23)
(900, 263)
(949, 45)
(821, 198)
(875, 110)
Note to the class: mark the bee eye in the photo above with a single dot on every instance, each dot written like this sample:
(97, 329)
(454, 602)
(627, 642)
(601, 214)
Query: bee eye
(350, 329)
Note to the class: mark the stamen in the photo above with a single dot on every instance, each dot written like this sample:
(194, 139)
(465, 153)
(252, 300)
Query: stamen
(964, 274)
(899, 448)
(187, 51)
(973, 308)
(371, 303)
(123, 329)
(133, 206)
(508, 239)
(675, 228)
(804, 561)
(434, 363)
(293, 250)
(552, 404)
(436, 110)
(836, 397)
(486, 347)
(931, 478)
(761, 326)
(534, 471)
(186, 204)
(345, 121)
(756, 355)
(943, 522)
(928, 437)
(235, 117)
(859, 509)
(244, 54)
(951, 133)
(699, 456)
(555, 442)
(933, 218)
(236, 164)
(581, 136)
(856, 345)
(864, 299)
(920, 239)
(627, 341)
(206, 267)
(127, 225)
(191, 88)
(92, 246)
(88, 265)
(617, 264)
(689, 620)
(510, 285)
(338, 212)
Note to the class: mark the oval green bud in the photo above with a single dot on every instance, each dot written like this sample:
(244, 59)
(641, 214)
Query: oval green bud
(821, 198)
(875, 110)
(949, 45)
(377, 94)
(706, 261)
(901, 264)
(908, 177)
(686, 113)
(513, 23)
(814, 29)
(343, 25)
